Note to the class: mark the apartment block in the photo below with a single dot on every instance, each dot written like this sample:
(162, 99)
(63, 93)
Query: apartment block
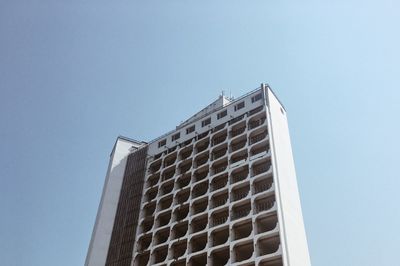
(220, 189)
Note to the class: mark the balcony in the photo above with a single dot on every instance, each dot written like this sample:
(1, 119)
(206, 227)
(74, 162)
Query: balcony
(266, 224)
(243, 252)
(199, 260)
(170, 160)
(239, 157)
(220, 237)
(219, 182)
(153, 180)
(219, 200)
(147, 224)
(184, 167)
(160, 254)
(165, 203)
(168, 174)
(219, 217)
(182, 196)
(219, 153)
(179, 249)
(149, 209)
(181, 213)
(161, 236)
(240, 193)
(219, 167)
(180, 230)
(198, 243)
(151, 194)
(198, 224)
(239, 174)
(155, 166)
(201, 159)
(257, 121)
(237, 131)
(142, 259)
(200, 190)
(219, 127)
(259, 149)
(268, 246)
(241, 211)
(167, 188)
(201, 174)
(144, 243)
(202, 146)
(262, 185)
(236, 119)
(219, 138)
(164, 219)
(256, 137)
(183, 180)
(261, 167)
(199, 206)
(186, 153)
(238, 144)
(264, 204)
(242, 230)
(255, 110)
(220, 257)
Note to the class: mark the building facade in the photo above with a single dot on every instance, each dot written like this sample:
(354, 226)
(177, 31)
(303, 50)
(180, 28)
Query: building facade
(220, 189)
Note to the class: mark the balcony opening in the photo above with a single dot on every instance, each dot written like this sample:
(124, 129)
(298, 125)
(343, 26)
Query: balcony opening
(198, 243)
(266, 224)
(202, 146)
(261, 148)
(180, 230)
(186, 153)
(184, 167)
(201, 159)
(262, 185)
(151, 194)
(200, 190)
(277, 262)
(239, 174)
(255, 110)
(168, 174)
(264, 204)
(220, 257)
(142, 259)
(167, 188)
(153, 180)
(170, 160)
(219, 182)
(243, 252)
(219, 200)
(200, 206)
(238, 144)
(181, 212)
(242, 230)
(220, 237)
(240, 211)
(219, 138)
(182, 196)
(179, 249)
(268, 245)
(161, 236)
(257, 136)
(165, 203)
(239, 156)
(261, 167)
(199, 224)
(170, 150)
(257, 121)
(219, 152)
(157, 156)
(241, 192)
(183, 180)
(219, 217)
(144, 243)
(160, 254)
(200, 260)
(219, 167)
(149, 209)
(200, 174)
(155, 166)
(238, 129)
(163, 219)
(147, 224)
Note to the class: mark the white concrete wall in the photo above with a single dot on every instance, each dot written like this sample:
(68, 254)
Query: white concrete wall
(293, 233)
(98, 248)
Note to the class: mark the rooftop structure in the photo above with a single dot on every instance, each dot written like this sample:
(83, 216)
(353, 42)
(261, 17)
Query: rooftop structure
(220, 189)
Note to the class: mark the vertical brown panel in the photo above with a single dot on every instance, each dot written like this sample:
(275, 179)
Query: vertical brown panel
(126, 218)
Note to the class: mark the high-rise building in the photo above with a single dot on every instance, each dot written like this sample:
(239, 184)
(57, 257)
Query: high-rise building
(220, 189)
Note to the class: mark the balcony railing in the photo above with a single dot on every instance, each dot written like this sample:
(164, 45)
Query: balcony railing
(240, 194)
(262, 168)
(239, 176)
(219, 219)
(219, 154)
(256, 123)
(238, 131)
(242, 212)
(264, 205)
(258, 137)
(219, 140)
(220, 168)
(239, 145)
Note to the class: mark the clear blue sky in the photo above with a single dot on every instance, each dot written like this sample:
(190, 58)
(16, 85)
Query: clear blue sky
(76, 74)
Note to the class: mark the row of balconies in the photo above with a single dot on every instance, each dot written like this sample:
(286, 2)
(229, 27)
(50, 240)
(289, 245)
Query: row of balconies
(202, 169)
(236, 241)
(235, 144)
(198, 182)
(201, 215)
(203, 141)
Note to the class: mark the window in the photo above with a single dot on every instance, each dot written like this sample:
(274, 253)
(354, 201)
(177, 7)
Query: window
(162, 143)
(222, 114)
(239, 106)
(190, 129)
(206, 122)
(256, 98)
(176, 136)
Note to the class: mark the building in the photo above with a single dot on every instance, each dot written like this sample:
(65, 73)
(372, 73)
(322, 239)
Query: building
(220, 189)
